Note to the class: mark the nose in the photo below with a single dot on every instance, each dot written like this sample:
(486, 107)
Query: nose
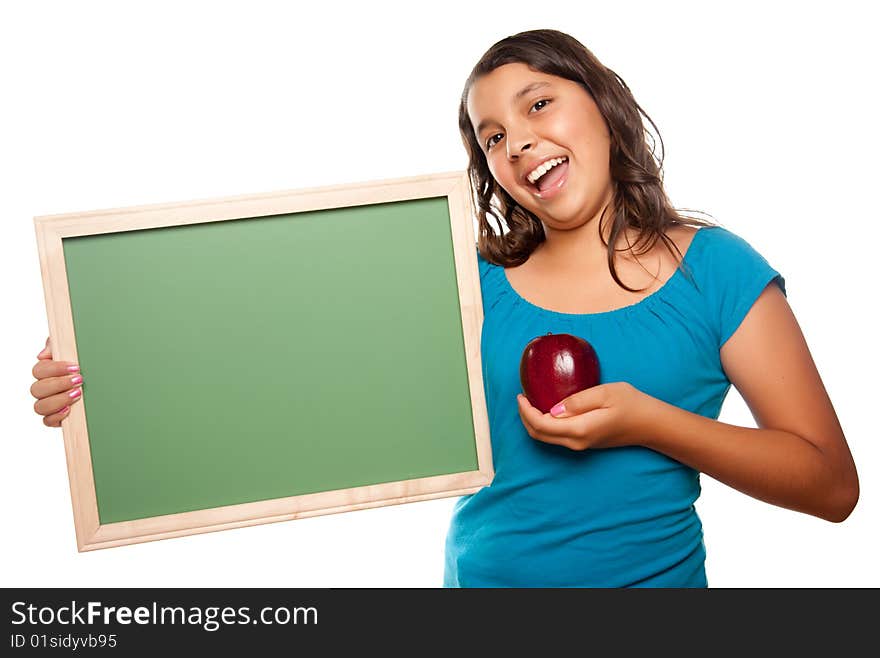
(516, 143)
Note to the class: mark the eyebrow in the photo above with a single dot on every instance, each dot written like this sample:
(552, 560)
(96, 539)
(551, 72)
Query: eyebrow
(522, 92)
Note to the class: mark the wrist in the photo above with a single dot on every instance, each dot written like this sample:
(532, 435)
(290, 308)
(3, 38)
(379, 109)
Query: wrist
(646, 420)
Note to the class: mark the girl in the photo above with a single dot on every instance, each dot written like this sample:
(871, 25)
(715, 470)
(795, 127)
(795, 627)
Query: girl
(600, 492)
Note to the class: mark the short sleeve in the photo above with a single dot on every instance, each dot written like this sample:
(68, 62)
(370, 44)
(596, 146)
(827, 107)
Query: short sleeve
(736, 275)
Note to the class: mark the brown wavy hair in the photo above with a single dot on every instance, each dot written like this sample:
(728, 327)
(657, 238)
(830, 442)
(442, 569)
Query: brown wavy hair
(639, 200)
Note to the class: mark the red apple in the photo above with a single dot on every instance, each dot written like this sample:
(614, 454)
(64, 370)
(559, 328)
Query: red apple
(554, 366)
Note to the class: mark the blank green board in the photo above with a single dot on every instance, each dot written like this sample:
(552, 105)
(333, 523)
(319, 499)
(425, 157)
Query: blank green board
(245, 360)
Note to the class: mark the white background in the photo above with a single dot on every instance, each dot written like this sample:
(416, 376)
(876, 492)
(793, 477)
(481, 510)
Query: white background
(767, 111)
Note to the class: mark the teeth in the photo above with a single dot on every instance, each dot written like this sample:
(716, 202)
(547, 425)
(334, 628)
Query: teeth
(544, 168)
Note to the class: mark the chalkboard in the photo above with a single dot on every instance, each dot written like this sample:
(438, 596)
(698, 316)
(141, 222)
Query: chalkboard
(268, 357)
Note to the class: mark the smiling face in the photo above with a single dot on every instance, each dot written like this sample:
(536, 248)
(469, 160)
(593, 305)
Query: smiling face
(522, 117)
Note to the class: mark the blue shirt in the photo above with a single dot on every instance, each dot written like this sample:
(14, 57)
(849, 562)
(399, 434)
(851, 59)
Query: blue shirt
(615, 517)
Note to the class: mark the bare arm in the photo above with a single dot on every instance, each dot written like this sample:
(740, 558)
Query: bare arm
(798, 457)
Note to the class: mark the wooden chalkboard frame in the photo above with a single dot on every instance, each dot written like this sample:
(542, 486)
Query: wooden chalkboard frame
(52, 229)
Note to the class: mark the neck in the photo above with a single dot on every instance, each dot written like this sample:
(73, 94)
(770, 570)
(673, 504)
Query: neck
(582, 248)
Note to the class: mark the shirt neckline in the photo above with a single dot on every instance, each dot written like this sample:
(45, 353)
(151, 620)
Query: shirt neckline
(686, 258)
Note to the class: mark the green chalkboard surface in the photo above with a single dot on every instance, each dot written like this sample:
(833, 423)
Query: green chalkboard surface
(236, 361)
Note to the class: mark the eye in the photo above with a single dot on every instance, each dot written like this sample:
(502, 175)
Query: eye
(490, 143)
(543, 100)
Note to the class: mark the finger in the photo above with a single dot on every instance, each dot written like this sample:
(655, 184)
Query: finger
(47, 351)
(531, 416)
(525, 417)
(583, 401)
(547, 424)
(550, 438)
(54, 403)
(45, 388)
(54, 420)
(528, 413)
(45, 368)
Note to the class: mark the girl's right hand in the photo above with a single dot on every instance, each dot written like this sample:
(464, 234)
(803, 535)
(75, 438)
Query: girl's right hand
(57, 387)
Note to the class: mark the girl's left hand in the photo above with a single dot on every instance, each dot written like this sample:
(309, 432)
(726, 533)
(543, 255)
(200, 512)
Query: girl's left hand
(603, 416)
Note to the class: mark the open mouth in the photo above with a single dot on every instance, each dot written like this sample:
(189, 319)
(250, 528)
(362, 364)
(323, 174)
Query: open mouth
(550, 182)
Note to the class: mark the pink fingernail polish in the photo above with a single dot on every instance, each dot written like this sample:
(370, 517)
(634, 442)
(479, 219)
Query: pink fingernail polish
(76, 393)
(72, 368)
(76, 380)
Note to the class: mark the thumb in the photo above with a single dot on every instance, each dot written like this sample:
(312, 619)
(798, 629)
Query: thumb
(580, 402)
(47, 351)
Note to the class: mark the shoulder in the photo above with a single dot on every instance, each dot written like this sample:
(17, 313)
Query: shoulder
(665, 256)
(484, 266)
(723, 253)
(717, 239)
(730, 274)
(682, 237)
